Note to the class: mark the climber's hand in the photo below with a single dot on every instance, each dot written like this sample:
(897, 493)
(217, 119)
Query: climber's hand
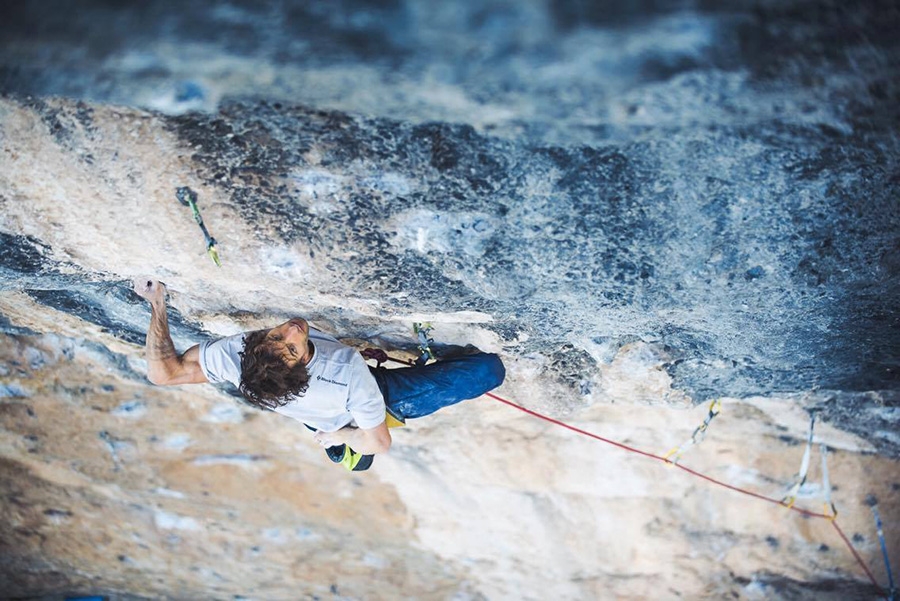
(150, 289)
(329, 439)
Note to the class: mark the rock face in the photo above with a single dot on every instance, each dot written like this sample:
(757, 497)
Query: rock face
(641, 210)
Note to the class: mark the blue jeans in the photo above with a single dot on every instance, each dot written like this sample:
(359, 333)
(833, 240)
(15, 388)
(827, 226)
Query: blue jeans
(417, 391)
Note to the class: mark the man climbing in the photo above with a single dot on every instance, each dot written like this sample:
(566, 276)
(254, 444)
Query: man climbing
(305, 374)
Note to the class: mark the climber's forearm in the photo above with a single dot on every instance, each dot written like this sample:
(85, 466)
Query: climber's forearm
(162, 358)
(366, 441)
(165, 367)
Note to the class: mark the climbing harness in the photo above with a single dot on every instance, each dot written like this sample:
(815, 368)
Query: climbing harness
(699, 434)
(791, 497)
(188, 198)
(422, 330)
(872, 502)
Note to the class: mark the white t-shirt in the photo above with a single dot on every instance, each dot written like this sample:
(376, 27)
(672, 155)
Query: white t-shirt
(342, 390)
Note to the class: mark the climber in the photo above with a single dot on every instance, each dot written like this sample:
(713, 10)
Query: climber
(305, 374)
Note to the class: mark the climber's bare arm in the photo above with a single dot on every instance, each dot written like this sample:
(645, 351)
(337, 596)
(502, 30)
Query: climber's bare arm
(368, 442)
(165, 367)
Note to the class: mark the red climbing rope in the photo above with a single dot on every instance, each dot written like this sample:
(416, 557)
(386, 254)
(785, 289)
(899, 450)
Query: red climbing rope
(830, 518)
(856, 555)
(657, 457)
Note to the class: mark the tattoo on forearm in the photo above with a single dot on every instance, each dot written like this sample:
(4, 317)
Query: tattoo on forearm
(159, 342)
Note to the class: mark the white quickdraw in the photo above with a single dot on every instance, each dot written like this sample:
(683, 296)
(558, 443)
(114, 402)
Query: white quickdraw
(791, 497)
(699, 434)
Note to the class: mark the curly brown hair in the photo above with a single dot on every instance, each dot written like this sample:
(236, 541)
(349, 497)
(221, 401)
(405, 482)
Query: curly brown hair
(267, 381)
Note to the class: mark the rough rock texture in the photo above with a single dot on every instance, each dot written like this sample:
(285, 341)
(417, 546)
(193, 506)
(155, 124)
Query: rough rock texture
(641, 209)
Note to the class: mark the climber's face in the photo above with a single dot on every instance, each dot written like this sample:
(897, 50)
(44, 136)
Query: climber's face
(291, 341)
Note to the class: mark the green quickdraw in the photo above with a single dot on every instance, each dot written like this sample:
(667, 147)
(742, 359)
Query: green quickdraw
(188, 198)
(422, 330)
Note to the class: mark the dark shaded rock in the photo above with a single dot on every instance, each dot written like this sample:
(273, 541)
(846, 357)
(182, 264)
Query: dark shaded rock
(21, 255)
(112, 305)
(609, 239)
(782, 587)
(79, 304)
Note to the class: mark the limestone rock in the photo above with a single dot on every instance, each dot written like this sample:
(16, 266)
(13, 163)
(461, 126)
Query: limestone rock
(640, 210)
